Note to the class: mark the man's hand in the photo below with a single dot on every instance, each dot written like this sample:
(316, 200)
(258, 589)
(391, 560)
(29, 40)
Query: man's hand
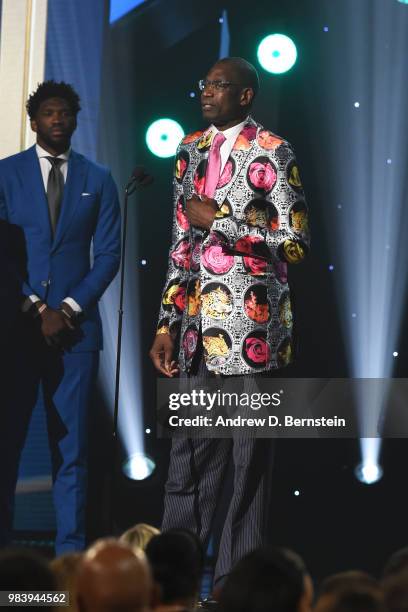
(201, 213)
(54, 323)
(161, 354)
(68, 312)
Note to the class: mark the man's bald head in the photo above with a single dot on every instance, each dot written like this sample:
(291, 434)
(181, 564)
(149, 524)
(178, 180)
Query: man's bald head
(113, 578)
(227, 92)
(245, 73)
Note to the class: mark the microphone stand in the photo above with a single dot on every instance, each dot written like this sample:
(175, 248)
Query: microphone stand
(138, 179)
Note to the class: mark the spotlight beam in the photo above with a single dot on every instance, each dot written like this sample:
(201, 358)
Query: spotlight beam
(369, 155)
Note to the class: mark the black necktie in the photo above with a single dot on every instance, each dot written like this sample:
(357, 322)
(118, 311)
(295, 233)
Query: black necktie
(55, 190)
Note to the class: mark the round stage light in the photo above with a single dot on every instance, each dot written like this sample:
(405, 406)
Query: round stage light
(138, 466)
(163, 136)
(277, 53)
(403, 1)
(368, 473)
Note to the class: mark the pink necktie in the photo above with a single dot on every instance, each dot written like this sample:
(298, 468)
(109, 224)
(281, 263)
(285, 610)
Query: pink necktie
(212, 176)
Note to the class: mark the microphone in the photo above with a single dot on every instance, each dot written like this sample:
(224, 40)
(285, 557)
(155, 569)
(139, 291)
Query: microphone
(138, 178)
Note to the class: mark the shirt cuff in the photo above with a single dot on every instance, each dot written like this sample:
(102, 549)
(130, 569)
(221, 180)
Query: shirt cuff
(28, 302)
(74, 305)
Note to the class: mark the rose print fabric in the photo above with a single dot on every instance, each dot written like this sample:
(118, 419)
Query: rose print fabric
(233, 281)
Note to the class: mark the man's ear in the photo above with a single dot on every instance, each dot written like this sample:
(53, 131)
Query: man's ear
(247, 95)
(33, 125)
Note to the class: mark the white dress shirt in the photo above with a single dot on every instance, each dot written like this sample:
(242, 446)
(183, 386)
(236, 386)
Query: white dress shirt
(45, 166)
(231, 134)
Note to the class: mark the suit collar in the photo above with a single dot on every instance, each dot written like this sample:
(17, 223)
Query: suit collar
(248, 128)
(230, 133)
(43, 153)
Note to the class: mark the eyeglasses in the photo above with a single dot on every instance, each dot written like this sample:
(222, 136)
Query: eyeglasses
(217, 85)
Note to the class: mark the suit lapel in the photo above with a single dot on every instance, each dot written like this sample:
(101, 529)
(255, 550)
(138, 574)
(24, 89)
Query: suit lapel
(74, 185)
(33, 186)
(198, 152)
(241, 149)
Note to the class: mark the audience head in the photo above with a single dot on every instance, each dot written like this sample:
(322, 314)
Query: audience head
(177, 560)
(111, 577)
(65, 569)
(139, 536)
(395, 588)
(396, 563)
(268, 580)
(351, 591)
(24, 570)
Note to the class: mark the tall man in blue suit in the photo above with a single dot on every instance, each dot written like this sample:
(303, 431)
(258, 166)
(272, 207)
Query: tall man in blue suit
(65, 204)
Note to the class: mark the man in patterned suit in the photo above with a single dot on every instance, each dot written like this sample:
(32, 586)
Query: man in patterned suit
(239, 218)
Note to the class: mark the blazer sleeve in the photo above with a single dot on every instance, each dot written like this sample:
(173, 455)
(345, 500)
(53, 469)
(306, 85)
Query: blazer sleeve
(290, 240)
(106, 248)
(173, 298)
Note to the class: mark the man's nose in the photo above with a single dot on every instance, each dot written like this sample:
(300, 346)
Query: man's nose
(207, 92)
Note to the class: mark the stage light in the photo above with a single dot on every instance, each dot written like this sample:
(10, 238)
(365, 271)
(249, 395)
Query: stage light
(326, 29)
(163, 136)
(192, 94)
(148, 430)
(357, 104)
(224, 50)
(403, 1)
(277, 53)
(395, 354)
(389, 161)
(138, 466)
(143, 262)
(296, 493)
(368, 473)
(331, 268)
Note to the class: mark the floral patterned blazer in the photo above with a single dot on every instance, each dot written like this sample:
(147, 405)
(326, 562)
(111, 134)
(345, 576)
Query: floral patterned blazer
(232, 280)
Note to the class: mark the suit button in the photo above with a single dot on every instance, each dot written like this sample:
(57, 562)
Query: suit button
(45, 283)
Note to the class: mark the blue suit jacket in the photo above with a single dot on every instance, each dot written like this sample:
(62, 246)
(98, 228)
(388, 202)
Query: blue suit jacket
(90, 213)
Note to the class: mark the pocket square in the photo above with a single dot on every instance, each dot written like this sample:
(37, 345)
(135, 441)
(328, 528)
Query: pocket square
(86, 194)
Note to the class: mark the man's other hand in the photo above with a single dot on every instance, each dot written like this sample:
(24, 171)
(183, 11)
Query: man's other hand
(53, 323)
(161, 354)
(201, 213)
